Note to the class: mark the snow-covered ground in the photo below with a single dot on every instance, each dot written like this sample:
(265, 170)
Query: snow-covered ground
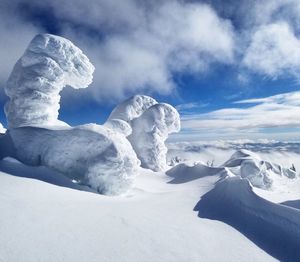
(223, 201)
(190, 213)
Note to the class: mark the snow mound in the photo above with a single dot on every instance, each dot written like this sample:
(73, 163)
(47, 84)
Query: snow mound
(260, 173)
(273, 227)
(183, 172)
(47, 66)
(132, 108)
(2, 129)
(91, 154)
(149, 133)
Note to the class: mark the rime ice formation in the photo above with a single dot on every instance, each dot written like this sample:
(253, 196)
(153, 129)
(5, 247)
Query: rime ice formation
(259, 172)
(132, 108)
(149, 132)
(92, 154)
(151, 123)
(47, 66)
(98, 156)
(119, 126)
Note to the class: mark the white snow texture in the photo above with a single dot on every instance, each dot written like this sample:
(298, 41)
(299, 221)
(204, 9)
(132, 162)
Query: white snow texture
(47, 66)
(2, 129)
(151, 123)
(260, 173)
(107, 157)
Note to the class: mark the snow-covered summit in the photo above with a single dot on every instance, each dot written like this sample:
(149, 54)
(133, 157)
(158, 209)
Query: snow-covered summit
(49, 64)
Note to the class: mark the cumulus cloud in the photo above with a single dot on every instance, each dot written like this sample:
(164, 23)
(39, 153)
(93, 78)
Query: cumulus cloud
(274, 51)
(137, 46)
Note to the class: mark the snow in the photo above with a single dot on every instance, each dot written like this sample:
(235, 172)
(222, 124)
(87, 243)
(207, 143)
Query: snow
(49, 64)
(153, 222)
(197, 210)
(273, 227)
(132, 108)
(150, 125)
(2, 129)
(91, 154)
(260, 173)
(149, 133)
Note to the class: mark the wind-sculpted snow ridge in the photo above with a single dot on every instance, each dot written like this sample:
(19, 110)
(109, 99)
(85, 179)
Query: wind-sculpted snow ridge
(47, 66)
(91, 154)
(151, 123)
(273, 227)
(260, 173)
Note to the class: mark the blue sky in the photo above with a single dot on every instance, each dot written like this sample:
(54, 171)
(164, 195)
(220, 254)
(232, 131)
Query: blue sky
(209, 58)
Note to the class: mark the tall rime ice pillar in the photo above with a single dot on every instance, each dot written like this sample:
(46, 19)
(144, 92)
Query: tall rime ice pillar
(151, 123)
(149, 133)
(47, 66)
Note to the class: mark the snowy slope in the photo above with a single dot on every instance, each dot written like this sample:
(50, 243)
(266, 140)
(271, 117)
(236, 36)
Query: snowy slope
(156, 221)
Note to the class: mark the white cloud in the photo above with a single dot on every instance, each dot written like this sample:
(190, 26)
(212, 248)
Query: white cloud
(273, 113)
(274, 51)
(140, 45)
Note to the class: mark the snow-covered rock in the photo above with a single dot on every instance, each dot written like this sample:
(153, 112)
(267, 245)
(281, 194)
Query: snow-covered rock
(259, 172)
(91, 154)
(149, 133)
(47, 66)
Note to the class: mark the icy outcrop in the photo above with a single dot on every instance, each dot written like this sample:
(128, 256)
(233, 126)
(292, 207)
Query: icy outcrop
(149, 133)
(260, 173)
(92, 154)
(47, 66)
(2, 129)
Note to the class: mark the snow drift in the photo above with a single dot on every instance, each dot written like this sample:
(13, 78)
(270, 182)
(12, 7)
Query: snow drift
(260, 173)
(47, 66)
(273, 227)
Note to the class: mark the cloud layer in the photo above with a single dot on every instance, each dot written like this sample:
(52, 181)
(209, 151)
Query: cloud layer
(274, 112)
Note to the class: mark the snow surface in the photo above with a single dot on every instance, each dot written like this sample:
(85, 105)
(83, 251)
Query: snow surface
(49, 64)
(153, 222)
(193, 212)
